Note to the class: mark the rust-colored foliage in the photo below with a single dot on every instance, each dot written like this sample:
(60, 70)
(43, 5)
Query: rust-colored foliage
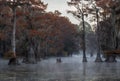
(12, 18)
(54, 30)
(116, 52)
(51, 30)
(107, 5)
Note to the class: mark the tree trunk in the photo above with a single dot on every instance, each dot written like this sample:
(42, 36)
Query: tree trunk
(14, 32)
(38, 51)
(98, 57)
(112, 57)
(14, 60)
(30, 56)
(84, 42)
(46, 49)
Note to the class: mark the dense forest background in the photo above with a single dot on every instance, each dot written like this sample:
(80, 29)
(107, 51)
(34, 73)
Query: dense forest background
(27, 30)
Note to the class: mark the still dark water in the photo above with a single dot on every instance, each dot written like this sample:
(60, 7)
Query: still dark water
(71, 69)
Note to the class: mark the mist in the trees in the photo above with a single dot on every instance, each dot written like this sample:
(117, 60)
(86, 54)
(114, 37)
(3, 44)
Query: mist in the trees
(37, 44)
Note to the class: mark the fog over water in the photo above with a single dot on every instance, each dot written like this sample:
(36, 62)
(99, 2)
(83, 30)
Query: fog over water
(71, 69)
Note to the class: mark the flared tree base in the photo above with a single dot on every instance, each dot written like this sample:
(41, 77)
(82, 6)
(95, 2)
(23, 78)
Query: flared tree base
(13, 61)
(58, 60)
(84, 60)
(98, 59)
(111, 58)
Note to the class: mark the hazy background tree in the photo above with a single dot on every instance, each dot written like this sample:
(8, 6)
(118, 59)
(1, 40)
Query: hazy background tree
(80, 14)
(109, 18)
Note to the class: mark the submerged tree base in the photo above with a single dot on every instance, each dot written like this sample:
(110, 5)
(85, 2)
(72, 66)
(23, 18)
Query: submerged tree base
(29, 61)
(13, 61)
(110, 58)
(84, 60)
(58, 60)
(98, 59)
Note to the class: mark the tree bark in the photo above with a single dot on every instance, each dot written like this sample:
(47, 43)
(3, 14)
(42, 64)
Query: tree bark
(38, 51)
(14, 60)
(30, 56)
(112, 57)
(84, 42)
(13, 34)
(98, 57)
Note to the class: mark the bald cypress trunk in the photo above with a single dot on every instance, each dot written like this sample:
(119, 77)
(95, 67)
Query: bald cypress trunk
(14, 60)
(13, 35)
(84, 42)
(98, 57)
(114, 39)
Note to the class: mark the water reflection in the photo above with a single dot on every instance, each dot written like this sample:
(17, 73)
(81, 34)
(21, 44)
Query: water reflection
(71, 69)
(84, 71)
